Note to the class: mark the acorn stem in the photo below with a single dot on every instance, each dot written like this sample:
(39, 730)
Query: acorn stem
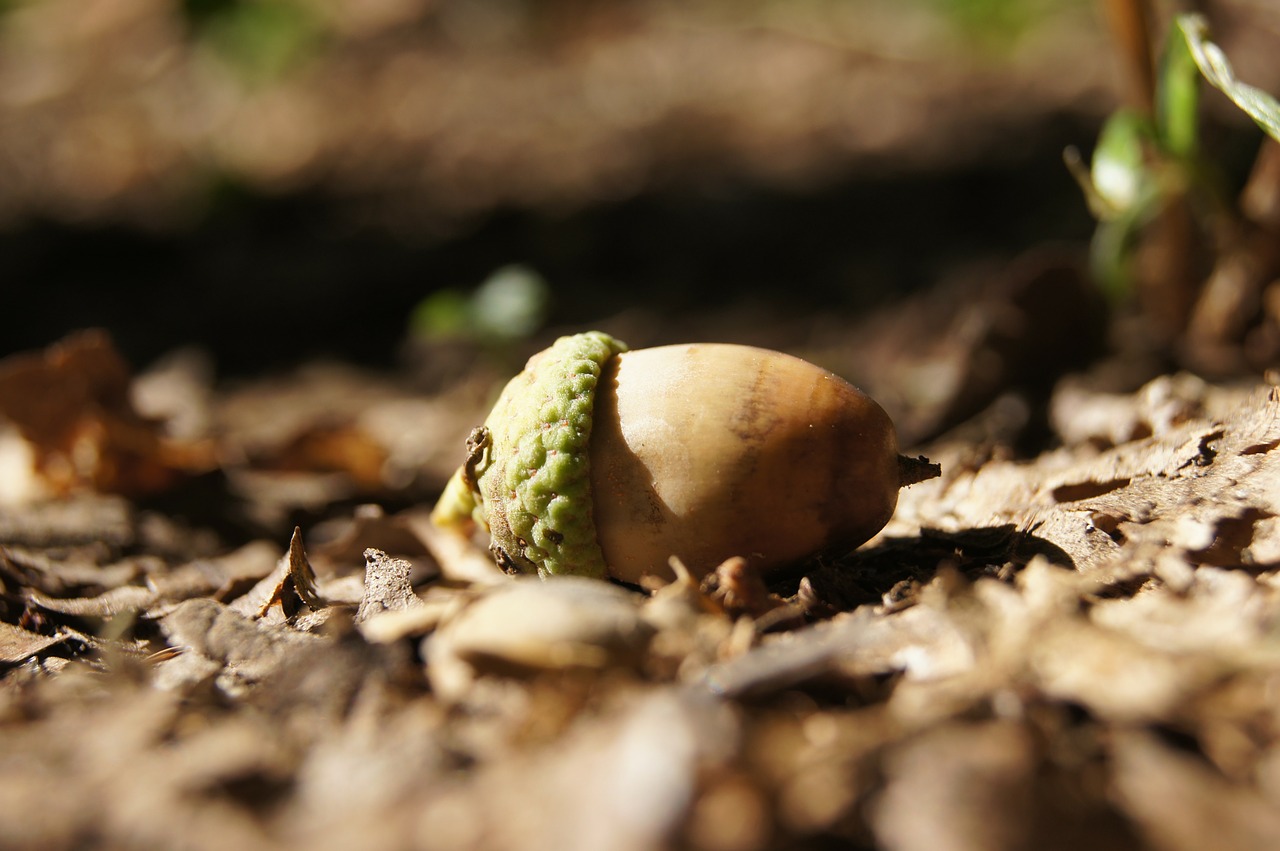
(918, 469)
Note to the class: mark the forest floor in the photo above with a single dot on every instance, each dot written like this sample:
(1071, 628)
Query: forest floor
(1077, 648)
(226, 621)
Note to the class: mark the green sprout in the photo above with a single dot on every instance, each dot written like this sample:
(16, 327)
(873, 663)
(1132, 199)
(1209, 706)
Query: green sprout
(510, 305)
(1142, 162)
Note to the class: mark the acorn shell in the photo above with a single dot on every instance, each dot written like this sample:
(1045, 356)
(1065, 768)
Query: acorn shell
(707, 451)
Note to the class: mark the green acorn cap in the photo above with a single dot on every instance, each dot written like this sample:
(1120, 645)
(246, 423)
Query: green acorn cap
(527, 477)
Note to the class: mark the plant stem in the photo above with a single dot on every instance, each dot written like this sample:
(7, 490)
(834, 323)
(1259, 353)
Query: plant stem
(1130, 23)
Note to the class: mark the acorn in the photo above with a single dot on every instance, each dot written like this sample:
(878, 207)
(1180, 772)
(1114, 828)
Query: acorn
(602, 462)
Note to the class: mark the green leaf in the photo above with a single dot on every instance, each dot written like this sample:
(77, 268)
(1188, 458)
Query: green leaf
(1178, 98)
(1212, 62)
(1119, 172)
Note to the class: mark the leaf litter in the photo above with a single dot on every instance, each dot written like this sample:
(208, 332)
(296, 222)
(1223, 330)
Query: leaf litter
(1078, 649)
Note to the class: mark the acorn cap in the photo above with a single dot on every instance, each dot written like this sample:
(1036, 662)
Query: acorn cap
(527, 476)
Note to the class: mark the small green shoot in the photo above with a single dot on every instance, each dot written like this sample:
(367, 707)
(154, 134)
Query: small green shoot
(1118, 180)
(1141, 163)
(1177, 100)
(511, 304)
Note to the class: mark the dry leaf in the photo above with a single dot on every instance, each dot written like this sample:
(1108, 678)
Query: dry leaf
(386, 585)
(71, 403)
(17, 645)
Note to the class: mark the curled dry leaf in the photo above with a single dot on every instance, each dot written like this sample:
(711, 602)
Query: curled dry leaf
(371, 434)
(71, 404)
(301, 573)
(529, 625)
(154, 585)
(857, 644)
(18, 645)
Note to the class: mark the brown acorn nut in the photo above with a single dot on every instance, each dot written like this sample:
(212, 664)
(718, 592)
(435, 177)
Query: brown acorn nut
(598, 461)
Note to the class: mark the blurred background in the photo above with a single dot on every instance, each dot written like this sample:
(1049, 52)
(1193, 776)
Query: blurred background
(277, 180)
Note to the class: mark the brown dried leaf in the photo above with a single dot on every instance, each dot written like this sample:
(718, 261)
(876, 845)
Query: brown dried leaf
(247, 651)
(368, 431)
(82, 518)
(340, 448)
(860, 643)
(369, 526)
(992, 703)
(623, 781)
(301, 574)
(1181, 804)
(1133, 497)
(17, 644)
(386, 585)
(266, 592)
(71, 402)
(528, 626)
(956, 353)
(71, 571)
(1114, 676)
(203, 577)
(128, 598)
(973, 782)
